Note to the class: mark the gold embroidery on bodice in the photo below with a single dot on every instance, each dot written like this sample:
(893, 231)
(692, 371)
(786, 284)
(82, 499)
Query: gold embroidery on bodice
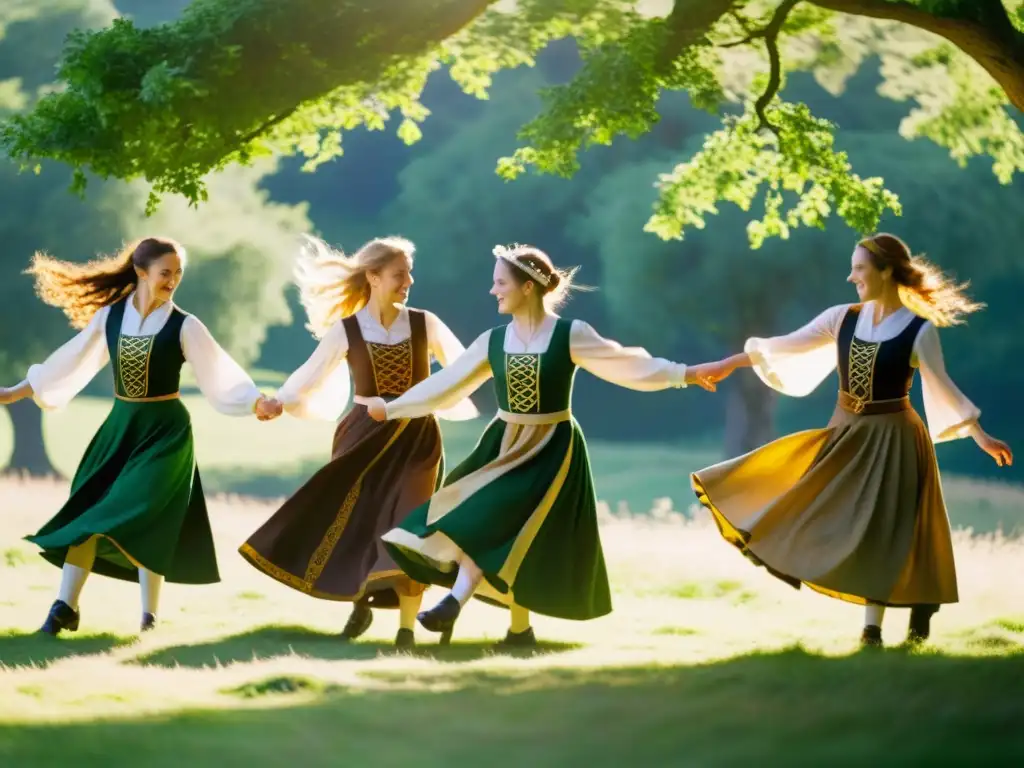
(862, 369)
(392, 366)
(522, 377)
(133, 364)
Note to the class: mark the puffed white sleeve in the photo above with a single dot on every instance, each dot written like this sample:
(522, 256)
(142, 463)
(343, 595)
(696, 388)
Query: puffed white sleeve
(320, 387)
(64, 374)
(950, 415)
(446, 349)
(223, 382)
(629, 367)
(448, 386)
(795, 364)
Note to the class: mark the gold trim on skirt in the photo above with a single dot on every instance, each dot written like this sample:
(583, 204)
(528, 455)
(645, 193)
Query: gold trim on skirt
(157, 399)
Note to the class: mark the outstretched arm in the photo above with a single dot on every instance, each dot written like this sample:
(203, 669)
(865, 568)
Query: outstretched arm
(320, 387)
(19, 391)
(56, 381)
(446, 349)
(793, 364)
(949, 413)
(223, 382)
(629, 367)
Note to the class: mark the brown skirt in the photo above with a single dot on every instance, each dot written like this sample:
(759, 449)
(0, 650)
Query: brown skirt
(325, 540)
(854, 511)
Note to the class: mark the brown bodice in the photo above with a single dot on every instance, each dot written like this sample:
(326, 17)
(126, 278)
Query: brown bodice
(388, 370)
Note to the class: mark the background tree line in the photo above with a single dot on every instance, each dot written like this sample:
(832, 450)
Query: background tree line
(687, 300)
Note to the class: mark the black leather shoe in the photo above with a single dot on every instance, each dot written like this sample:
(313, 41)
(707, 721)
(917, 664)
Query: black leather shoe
(920, 628)
(441, 618)
(524, 639)
(148, 622)
(405, 639)
(62, 616)
(358, 621)
(871, 637)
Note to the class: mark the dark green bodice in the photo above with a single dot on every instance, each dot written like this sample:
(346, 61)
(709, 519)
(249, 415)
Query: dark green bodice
(145, 366)
(533, 382)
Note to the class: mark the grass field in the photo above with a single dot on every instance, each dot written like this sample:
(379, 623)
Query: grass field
(706, 661)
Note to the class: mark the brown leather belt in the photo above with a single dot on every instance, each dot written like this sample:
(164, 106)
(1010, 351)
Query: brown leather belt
(852, 404)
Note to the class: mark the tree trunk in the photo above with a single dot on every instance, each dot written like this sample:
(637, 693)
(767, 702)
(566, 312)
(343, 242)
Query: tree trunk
(29, 455)
(749, 415)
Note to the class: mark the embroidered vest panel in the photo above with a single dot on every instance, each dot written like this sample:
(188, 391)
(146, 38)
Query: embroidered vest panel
(388, 370)
(878, 370)
(533, 382)
(145, 366)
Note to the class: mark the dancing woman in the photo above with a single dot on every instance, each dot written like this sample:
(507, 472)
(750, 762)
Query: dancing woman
(518, 518)
(325, 540)
(855, 510)
(136, 510)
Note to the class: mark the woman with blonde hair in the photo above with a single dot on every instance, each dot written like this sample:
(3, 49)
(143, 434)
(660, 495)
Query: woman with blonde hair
(325, 540)
(855, 510)
(516, 522)
(136, 510)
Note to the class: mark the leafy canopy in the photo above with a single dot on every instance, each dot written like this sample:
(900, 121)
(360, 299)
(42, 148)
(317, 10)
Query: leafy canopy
(233, 80)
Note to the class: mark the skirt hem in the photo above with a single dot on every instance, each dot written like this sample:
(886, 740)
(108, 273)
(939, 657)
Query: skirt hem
(264, 566)
(740, 539)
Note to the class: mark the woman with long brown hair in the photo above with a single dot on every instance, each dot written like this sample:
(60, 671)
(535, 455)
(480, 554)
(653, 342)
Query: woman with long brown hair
(516, 522)
(136, 510)
(325, 540)
(855, 510)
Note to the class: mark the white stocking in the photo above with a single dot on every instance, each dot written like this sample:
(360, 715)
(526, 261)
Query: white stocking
(467, 580)
(150, 584)
(77, 566)
(873, 615)
(71, 582)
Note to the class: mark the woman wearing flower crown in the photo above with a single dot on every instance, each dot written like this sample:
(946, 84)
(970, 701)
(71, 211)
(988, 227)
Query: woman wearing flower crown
(855, 510)
(516, 522)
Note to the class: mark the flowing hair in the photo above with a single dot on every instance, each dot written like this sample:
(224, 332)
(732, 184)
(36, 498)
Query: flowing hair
(526, 259)
(924, 288)
(333, 286)
(82, 290)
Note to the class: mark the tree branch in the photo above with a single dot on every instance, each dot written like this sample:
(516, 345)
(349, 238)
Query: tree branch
(688, 24)
(771, 40)
(297, 51)
(980, 28)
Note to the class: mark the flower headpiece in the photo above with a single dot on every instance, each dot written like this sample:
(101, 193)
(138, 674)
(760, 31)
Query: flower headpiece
(511, 255)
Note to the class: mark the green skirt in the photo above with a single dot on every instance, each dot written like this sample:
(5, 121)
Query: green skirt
(522, 507)
(138, 490)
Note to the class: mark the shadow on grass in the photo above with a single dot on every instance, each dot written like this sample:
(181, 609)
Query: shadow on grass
(35, 648)
(268, 642)
(788, 708)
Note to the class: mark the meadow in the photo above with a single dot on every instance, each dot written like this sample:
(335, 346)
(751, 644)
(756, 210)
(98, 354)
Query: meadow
(706, 661)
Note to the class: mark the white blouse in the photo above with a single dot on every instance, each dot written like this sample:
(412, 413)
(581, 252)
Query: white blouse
(320, 387)
(64, 374)
(797, 363)
(629, 367)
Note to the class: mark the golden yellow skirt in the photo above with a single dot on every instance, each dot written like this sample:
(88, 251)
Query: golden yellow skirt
(854, 511)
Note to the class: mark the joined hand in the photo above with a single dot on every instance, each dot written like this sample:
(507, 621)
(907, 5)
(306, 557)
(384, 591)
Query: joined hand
(268, 409)
(377, 410)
